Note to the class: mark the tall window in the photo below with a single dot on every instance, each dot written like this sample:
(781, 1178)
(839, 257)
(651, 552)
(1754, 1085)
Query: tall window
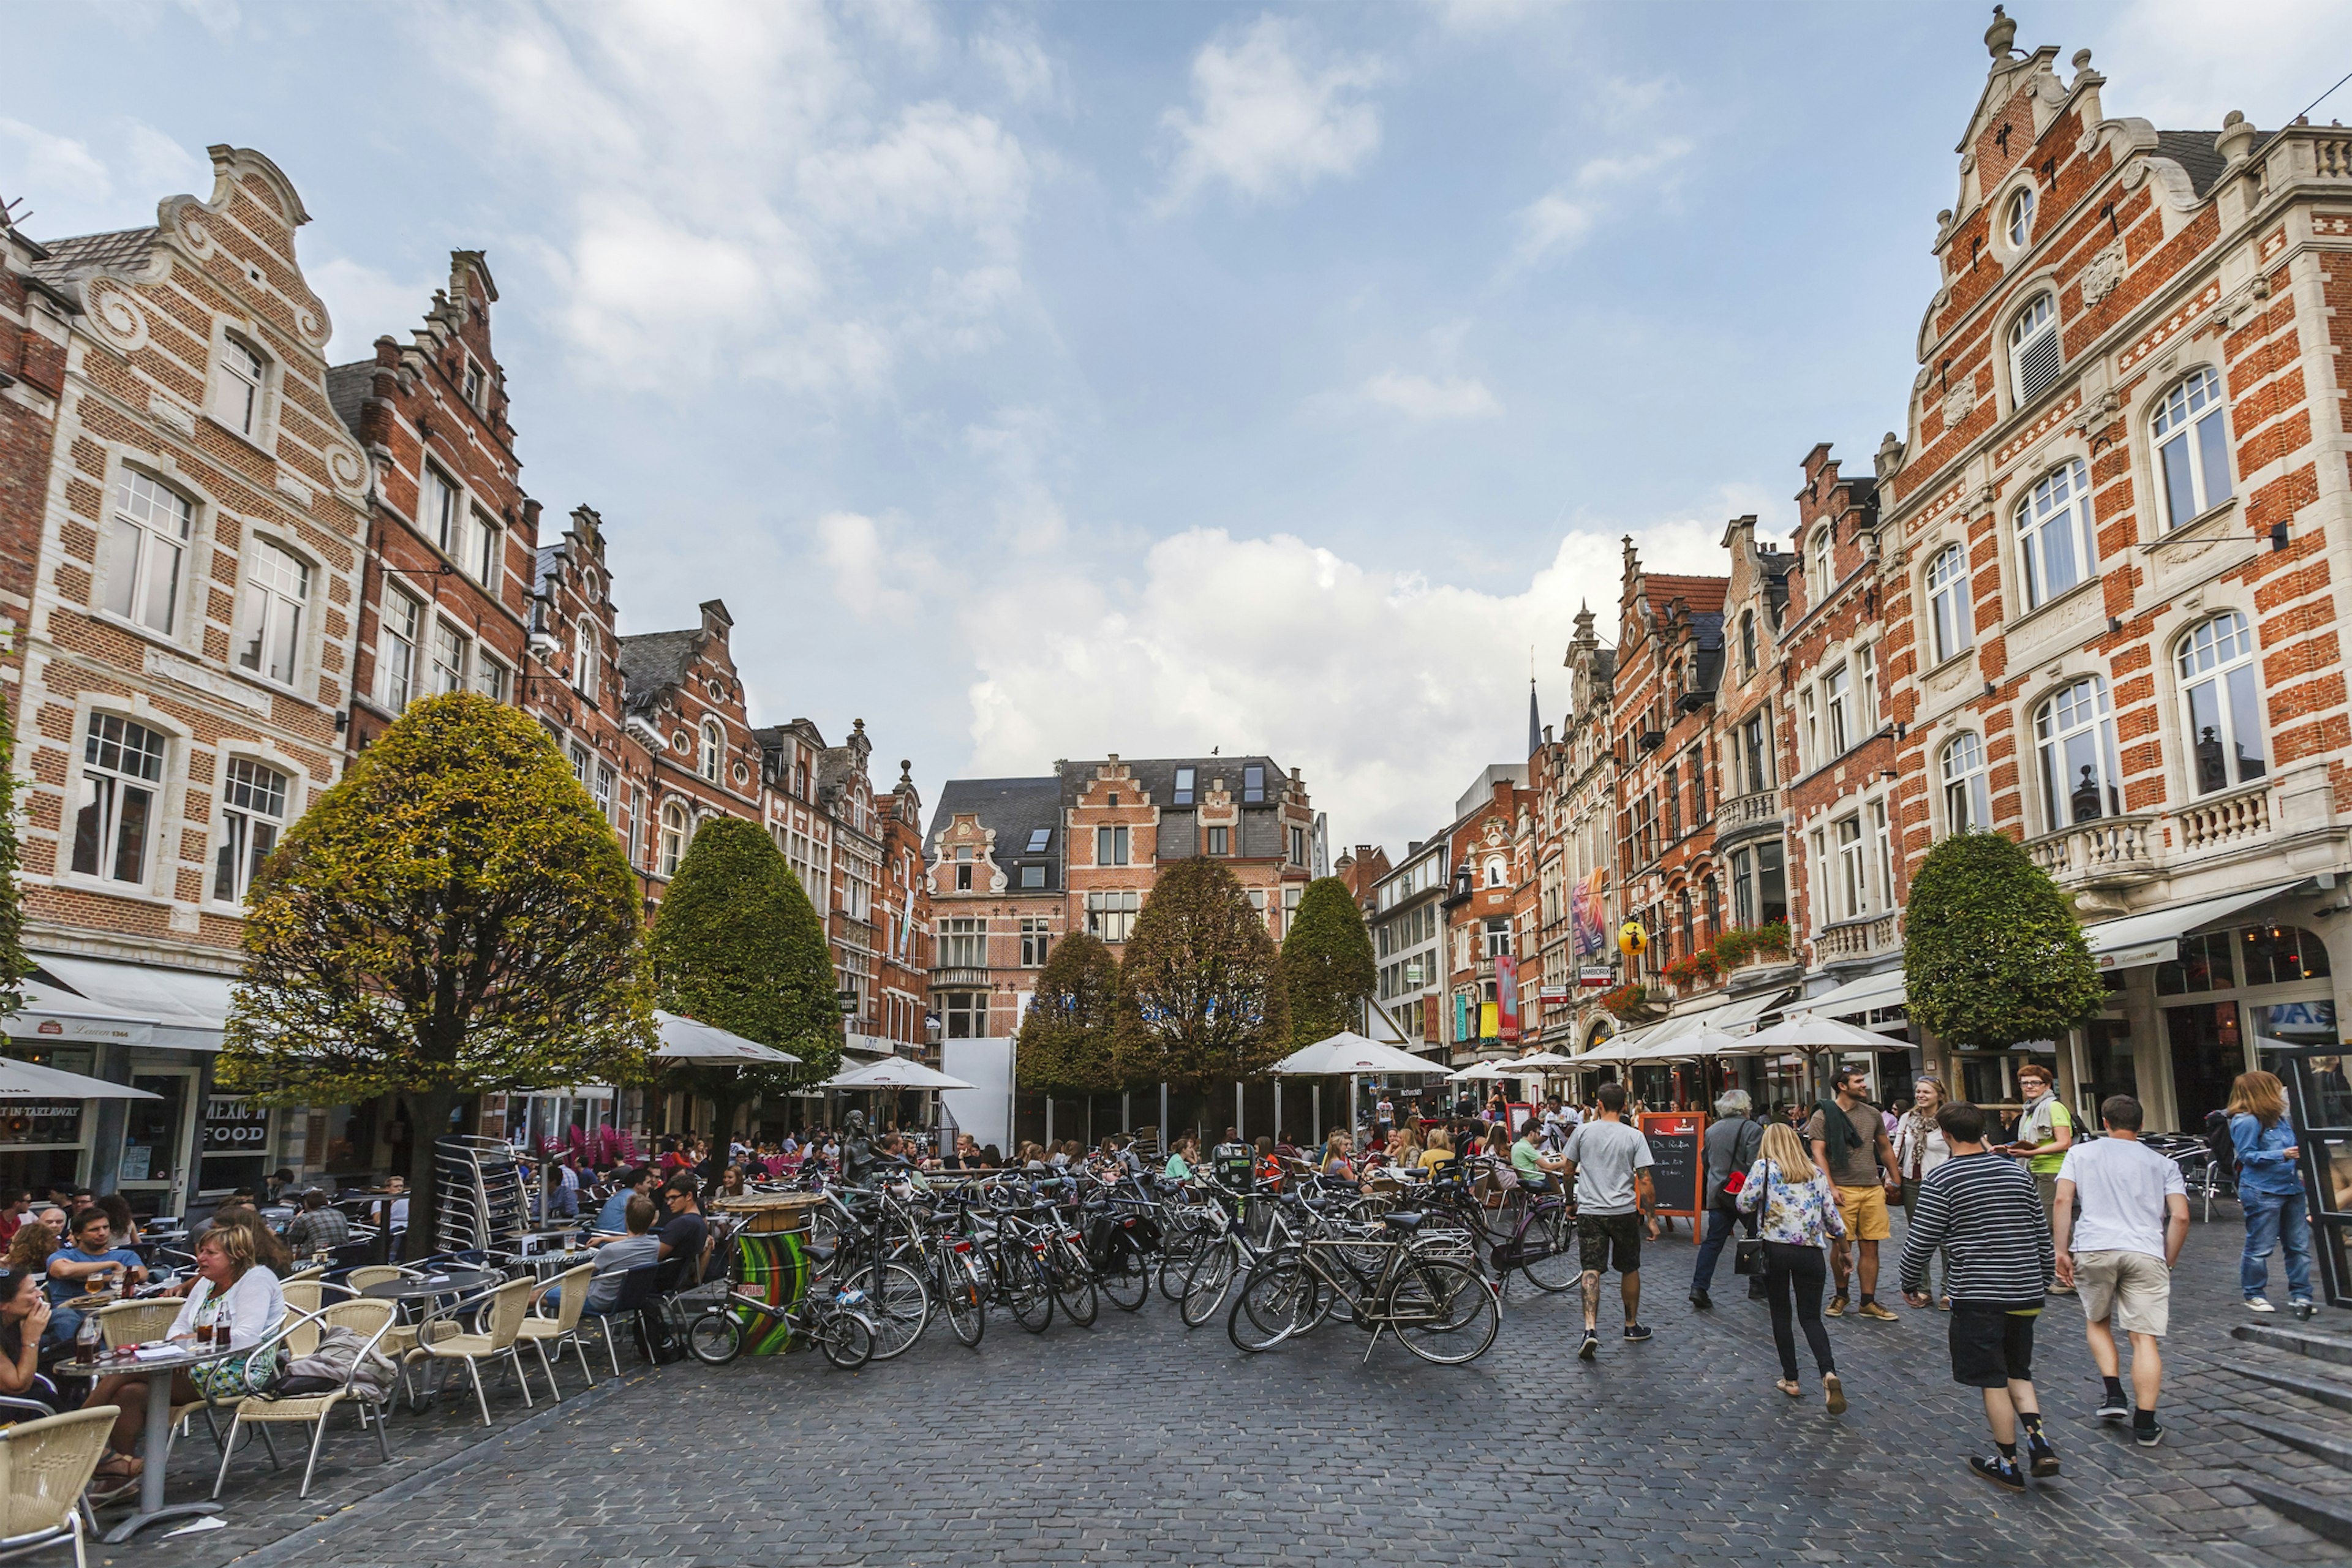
(1836, 706)
(1219, 838)
(398, 651)
(1110, 847)
(253, 811)
(1949, 616)
(1881, 845)
(122, 764)
(1809, 726)
(1298, 846)
(1968, 803)
(443, 519)
(1852, 873)
(2218, 683)
(484, 550)
(632, 811)
(2034, 358)
(1674, 798)
(603, 790)
(714, 749)
(1743, 888)
(1865, 662)
(1253, 785)
(148, 532)
(2075, 733)
(1748, 641)
(490, 677)
(1756, 745)
(450, 648)
(2192, 446)
(2021, 218)
(963, 943)
(1498, 871)
(963, 870)
(965, 1013)
(1821, 566)
(1111, 916)
(238, 403)
(1497, 937)
(1185, 777)
(2055, 540)
(673, 838)
(1035, 938)
(277, 589)
(1771, 883)
(583, 658)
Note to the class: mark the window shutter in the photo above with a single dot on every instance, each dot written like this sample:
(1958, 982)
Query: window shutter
(2037, 366)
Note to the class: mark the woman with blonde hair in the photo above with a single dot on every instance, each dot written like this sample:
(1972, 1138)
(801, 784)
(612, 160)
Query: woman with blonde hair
(1440, 1151)
(2270, 1188)
(1919, 1148)
(1800, 1218)
(30, 1248)
(1336, 1161)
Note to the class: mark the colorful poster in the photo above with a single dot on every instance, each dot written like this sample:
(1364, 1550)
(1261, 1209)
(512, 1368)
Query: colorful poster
(1588, 921)
(1487, 1023)
(1506, 996)
(1461, 1015)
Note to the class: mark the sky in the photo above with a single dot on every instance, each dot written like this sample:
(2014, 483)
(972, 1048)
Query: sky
(1044, 381)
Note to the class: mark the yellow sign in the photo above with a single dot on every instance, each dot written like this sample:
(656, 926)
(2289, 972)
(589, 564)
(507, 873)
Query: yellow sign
(1490, 1026)
(1632, 940)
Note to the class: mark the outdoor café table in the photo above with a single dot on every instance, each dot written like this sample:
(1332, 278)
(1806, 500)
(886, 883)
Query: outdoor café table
(156, 1448)
(407, 1294)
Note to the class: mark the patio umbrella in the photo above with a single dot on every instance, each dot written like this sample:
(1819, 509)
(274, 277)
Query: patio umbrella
(1544, 1061)
(1351, 1053)
(1807, 1034)
(1485, 1070)
(1686, 1047)
(895, 1072)
(683, 1039)
(29, 1080)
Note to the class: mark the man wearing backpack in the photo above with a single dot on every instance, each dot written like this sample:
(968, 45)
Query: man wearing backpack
(1731, 1147)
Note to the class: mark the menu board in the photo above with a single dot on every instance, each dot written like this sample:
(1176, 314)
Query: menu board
(1677, 1169)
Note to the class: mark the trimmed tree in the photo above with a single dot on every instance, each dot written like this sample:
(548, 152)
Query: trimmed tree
(1066, 1040)
(737, 944)
(1991, 954)
(453, 919)
(1326, 963)
(1200, 986)
(14, 964)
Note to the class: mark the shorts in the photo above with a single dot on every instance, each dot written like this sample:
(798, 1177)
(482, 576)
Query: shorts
(1991, 1348)
(1604, 1239)
(1865, 1209)
(2132, 1287)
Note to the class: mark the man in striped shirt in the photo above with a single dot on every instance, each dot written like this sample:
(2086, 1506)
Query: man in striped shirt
(1983, 1211)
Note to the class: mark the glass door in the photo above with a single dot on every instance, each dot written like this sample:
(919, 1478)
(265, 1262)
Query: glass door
(158, 1136)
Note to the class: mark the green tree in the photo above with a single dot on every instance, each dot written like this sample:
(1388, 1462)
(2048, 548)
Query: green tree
(1200, 986)
(1991, 954)
(1066, 1044)
(453, 919)
(14, 964)
(1326, 963)
(737, 944)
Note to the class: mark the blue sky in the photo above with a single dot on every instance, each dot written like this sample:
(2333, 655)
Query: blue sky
(1043, 381)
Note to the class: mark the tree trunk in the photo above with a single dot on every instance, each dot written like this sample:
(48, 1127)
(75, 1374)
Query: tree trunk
(430, 1111)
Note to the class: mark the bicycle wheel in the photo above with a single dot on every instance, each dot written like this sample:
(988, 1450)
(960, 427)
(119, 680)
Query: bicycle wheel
(1278, 1295)
(960, 1298)
(898, 1306)
(1211, 1275)
(846, 1339)
(715, 1338)
(1443, 1311)
(1028, 1294)
(1127, 1282)
(1074, 1285)
(1551, 1234)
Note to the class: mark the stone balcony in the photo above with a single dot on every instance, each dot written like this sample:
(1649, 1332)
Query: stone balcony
(2104, 852)
(960, 978)
(2098, 859)
(1747, 815)
(1850, 939)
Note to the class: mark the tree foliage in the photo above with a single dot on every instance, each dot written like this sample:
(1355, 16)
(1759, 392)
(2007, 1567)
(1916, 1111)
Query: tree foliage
(14, 964)
(1200, 986)
(1991, 954)
(1326, 963)
(737, 944)
(1066, 1039)
(454, 918)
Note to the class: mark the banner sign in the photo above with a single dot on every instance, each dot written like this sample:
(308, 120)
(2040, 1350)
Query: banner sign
(1506, 996)
(1588, 921)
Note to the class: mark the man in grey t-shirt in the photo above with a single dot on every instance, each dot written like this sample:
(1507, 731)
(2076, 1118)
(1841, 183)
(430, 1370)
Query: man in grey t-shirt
(1612, 1164)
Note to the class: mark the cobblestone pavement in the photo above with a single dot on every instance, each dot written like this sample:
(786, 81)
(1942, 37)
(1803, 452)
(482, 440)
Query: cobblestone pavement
(1136, 1441)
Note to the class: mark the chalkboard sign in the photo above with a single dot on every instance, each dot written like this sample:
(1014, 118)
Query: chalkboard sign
(1677, 1168)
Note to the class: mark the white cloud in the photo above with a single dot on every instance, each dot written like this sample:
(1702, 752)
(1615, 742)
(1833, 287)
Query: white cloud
(1550, 226)
(1563, 218)
(1267, 123)
(1018, 61)
(363, 303)
(872, 578)
(1388, 691)
(2171, 61)
(47, 163)
(936, 163)
(1015, 444)
(1419, 398)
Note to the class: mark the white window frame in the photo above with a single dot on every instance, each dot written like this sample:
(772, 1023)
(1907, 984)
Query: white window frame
(1967, 799)
(2221, 694)
(2082, 709)
(2029, 331)
(257, 800)
(1951, 616)
(491, 677)
(443, 508)
(272, 606)
(714, 752)
(241, 386)
(1866, 663)
(2056, 512)
(1823, 564)
(1853, 868)
(586, 654)
(116, 768)
(484, 548)
(1836, 683)
(400, 632)
(1809, 727)
(2187, 437)
(151, 531)
(2017, 218)
(676, 829)
(449, 657)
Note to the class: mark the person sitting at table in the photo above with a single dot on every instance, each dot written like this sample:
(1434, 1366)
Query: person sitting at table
(685, 1234)
(24, 1318)
(1182, 1158)
(30, 1249)
(319, 1227)
(637, 1182)
(269, 1248)
(966, 1156)
(616, 1255)
(91, 1255)
(395, 1216)
(1337, 1164)
(730, 1184)
(274, 1189)
(246, 1290)
(15, 1208)
(119, 1216)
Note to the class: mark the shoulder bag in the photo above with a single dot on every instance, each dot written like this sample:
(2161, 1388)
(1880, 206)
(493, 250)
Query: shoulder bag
(1747, 1252)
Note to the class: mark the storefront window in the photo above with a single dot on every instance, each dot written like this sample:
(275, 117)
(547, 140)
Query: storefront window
(2107, 1052)
(2208, 1054)
(234, 1141)
(2204, 964)
(2277, 954)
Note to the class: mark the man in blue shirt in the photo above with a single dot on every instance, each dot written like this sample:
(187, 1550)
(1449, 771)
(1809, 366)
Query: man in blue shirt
(70, 1269)
(613, 1218)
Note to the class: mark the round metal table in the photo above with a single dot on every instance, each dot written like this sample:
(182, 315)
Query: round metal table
(441, 1283)
(155, 1446)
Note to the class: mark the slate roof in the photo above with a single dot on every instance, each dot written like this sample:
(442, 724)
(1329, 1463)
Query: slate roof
(1013, 810)
(654, 663)
(82, 252)
(1157, 776)
(2195, 153)
(348, 387)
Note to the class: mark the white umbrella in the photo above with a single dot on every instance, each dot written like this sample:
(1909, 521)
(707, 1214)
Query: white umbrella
(1544, 1061)
(683, 1039)
(1805, 1032)
(1352, 1053)
(895, 1072)
(1683, 1047)
(1485, 1070)
(29, 1080)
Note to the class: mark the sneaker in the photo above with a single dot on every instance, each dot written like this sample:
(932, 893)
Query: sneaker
(2055, 1289)
(1836, 1309)
(1875, 1312)
(2147, 1437)
(1700, 1300)
(1636, 1332)
(2302, 1308)
(2043, 1457)
(1590, 1347)
(1835, 1391)
(2000, 1472)
(2259, 1304)
(2114, 1407)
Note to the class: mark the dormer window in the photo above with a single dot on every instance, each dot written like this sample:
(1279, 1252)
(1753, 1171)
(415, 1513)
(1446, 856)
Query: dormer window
(1253, 787)
(2034, 359)
(476, 384)
(2019, 224)
(1185, 777)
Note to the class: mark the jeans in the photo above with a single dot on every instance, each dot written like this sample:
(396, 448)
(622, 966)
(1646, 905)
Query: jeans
(1720, 1224)
(2272, 1218)
(1939, 1267)
(1799, 1272)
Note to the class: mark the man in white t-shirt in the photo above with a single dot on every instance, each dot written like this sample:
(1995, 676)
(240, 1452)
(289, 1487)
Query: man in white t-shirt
(2119, 1220)
(1610, 1163)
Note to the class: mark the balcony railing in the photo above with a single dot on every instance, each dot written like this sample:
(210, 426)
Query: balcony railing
(1856, 939)
(2224, 821)
(958, 976)
(2107, 851)
(1746, 810)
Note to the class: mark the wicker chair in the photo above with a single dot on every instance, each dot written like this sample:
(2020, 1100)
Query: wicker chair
(44, 1466)
(539, 1331)
(123, 1323)
(368, 1274)
(370, 1320)
(316, 1271)
(307, 1296)
(499, 1324)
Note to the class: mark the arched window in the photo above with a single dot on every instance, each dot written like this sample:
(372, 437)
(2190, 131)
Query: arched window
(2055, 543)
(277, 592)
(1748, 641)
(714, 749)
(2192, 447)
(673, 838)
(1499, 870)
(2021, 219)
(147, 535)
(2033, 357)
(253, 813)
(2218, 686)
(1967, 804)
(1821, 566)
(1948, 614)
(2075, 733)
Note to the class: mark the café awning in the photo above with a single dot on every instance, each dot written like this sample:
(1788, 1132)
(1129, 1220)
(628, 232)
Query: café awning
(181, 1009)
(2155, 936)
(53, 1012)
(1866, 994)
(28, 1080)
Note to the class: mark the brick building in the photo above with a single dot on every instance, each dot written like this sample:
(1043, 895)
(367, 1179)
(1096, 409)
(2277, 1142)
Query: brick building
(1486, 845)
(1409, 942)
(902, 921)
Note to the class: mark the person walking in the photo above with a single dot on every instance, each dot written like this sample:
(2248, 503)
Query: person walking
(2045, 1130)
(2121, 1220)
(1729, 1148)
(2270, 1186)
(1800, 1216)
(1980, 1207)
(1853, 1148)
(1611, 1163)
(1919, 1148)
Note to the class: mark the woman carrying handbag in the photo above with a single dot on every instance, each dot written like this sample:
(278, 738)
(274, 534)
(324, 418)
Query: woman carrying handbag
(1800, 1219)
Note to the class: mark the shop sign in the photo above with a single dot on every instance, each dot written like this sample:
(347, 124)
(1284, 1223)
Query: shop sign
(40, 1122)
(1597, 975)
(235, 1125)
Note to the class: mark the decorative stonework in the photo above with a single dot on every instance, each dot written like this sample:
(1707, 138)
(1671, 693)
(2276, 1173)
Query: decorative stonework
(1960, 402)
(2102, 272)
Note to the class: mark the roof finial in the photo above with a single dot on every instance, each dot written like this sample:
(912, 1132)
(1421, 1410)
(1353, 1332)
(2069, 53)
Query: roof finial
(2001, 35)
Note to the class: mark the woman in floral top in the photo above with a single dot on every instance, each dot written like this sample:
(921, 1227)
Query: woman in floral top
(1800, 1218)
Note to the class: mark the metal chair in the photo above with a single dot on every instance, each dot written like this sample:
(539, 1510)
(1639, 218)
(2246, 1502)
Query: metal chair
(639, 1286)
(307, 1296)
(45, 1464)
(502, 1311)
(368, 1274)
(368, 1319)
(123, 1323)
(540, 1331)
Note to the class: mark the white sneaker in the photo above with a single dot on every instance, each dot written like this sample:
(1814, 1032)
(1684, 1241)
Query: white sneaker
(2258, 1304)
